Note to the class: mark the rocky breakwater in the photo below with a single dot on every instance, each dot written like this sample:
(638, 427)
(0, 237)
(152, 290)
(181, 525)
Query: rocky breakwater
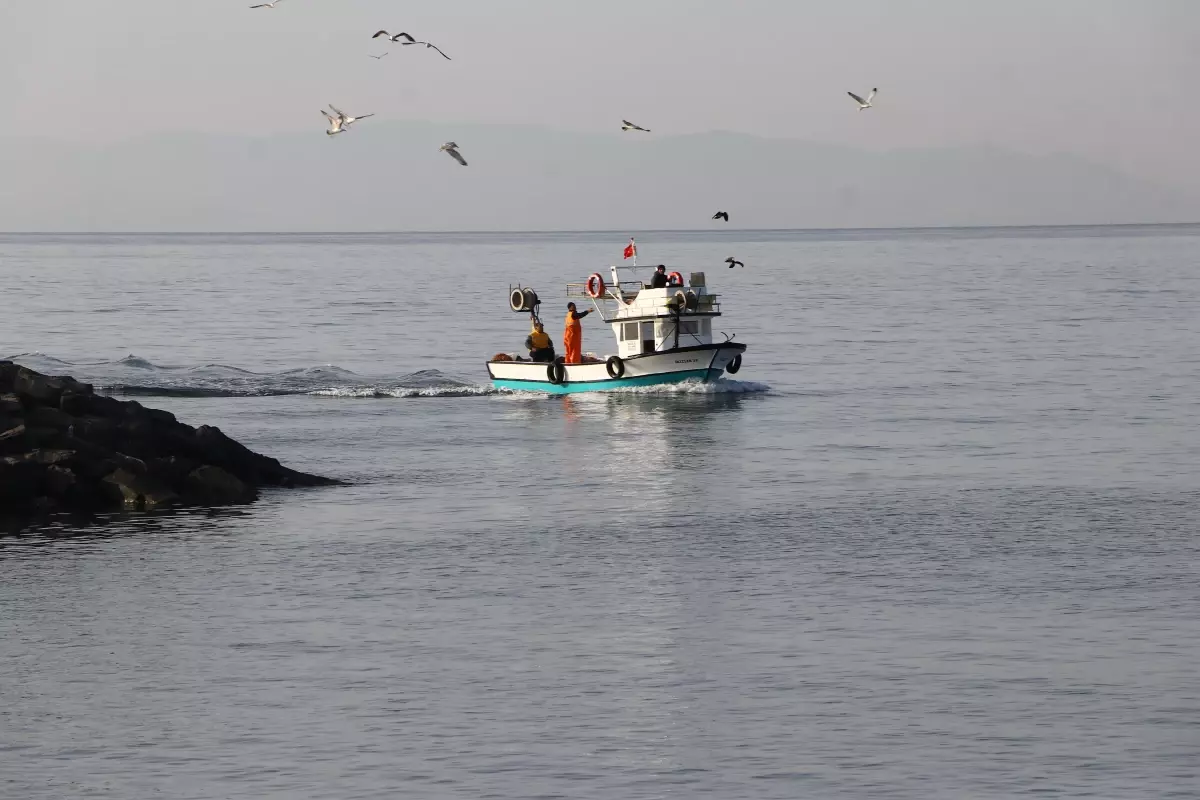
(65, 448)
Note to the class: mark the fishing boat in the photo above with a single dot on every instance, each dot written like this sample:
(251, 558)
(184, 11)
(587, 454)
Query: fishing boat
(664, 335)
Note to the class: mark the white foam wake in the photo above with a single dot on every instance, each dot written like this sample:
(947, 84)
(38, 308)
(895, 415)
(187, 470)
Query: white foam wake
(403, 392)
(720, 386)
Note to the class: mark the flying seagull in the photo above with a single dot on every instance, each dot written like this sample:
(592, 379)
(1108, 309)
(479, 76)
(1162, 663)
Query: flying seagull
(863, 105)
(336, 125)
(452, 149)
(271, 4)
(395, 38)
(629, 126)
(345, 119)
(733, 262)
(369, 55)
(722, 215)
(428, 45)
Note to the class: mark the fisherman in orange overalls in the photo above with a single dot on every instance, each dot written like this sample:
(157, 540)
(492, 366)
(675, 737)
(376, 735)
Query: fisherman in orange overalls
(573, 335)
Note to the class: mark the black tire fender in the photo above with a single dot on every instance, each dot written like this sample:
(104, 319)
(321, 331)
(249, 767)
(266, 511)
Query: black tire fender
(733, 366)
(615, 367)
(556, 373)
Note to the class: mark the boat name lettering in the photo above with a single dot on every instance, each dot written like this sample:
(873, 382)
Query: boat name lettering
(687, 361)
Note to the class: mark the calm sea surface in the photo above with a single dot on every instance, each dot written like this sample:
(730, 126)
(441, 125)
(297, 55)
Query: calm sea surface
(940, 538)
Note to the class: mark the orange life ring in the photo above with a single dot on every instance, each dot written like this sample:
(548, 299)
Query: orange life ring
(674, 279)
(595, 286)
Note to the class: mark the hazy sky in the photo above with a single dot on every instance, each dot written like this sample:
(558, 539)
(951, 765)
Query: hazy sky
(1105, 79)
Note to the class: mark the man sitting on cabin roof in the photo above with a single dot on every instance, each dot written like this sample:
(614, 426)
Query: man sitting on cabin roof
(659, 281)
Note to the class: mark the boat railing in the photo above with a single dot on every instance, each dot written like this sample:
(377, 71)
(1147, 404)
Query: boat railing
(663, 312)
(629, 290)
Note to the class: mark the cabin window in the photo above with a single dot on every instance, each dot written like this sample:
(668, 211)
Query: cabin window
(689, 326)
(647, 337)
(706, 327)
(629, 332)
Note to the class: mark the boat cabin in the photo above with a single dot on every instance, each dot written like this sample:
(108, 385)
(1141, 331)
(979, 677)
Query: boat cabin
(646, 320)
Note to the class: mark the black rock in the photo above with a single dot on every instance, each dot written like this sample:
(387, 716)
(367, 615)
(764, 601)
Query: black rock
(12, 429)
(48, 417)
(14, 438)
(45, 389)
(49, 457)
(8, 373)
(58, 481)
(142, 492)
(213, 486)
(19, 482)
(10, 404)
(173, 469)
(75, 403)
(65, 448)
(97, 430)
(104, 406)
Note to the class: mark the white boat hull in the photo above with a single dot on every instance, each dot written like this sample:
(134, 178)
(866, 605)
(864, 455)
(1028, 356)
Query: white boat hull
(703, 363)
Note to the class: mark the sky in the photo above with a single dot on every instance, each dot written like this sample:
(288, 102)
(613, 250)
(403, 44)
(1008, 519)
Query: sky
(1107, 80)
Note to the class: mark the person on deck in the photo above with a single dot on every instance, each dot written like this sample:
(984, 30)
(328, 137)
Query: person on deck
(539, 345)
(659, 281)
(573, 335)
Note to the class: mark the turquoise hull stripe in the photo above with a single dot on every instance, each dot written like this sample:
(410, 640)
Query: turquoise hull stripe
(600, 386)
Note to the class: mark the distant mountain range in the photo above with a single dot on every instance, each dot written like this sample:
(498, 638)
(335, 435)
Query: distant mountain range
(389, 176)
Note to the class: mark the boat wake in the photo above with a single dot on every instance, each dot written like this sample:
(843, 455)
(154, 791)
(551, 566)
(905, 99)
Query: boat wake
(720, 386)
(136, 376)
(456, 390)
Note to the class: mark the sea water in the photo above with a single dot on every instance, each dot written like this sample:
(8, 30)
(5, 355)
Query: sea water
(937, 539)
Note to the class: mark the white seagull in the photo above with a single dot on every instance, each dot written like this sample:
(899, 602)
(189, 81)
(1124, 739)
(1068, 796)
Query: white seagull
(345, 119)
(452, 149)
(629, 126)
(336, 125)
(271, 4)
(863, 105)
(377, 58)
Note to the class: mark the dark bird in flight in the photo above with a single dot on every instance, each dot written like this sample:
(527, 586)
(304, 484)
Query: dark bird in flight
(722, 215)
(733, 262)
(395, 38)
(629, 126)
(428, 45)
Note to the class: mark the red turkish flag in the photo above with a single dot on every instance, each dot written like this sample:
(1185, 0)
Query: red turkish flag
(630, 249)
